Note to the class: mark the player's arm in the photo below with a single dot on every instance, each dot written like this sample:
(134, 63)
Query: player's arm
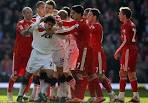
(29, 29)
(66, 31)
(119, 49)
(26, 31)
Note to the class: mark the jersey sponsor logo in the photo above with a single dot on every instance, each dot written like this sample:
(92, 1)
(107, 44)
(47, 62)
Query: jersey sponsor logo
(46, 35)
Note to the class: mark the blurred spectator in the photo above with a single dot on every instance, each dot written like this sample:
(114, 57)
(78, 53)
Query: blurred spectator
(6, 67)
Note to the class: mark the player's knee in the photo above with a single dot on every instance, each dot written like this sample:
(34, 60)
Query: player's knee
(132, 76)
(102, 77)
(123, 74)
(14, 77)
(62, 79)
(92, 77)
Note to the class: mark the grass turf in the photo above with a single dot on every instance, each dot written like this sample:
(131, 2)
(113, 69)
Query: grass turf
(143, 96)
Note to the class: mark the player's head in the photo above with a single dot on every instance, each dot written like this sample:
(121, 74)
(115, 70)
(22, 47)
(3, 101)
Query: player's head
(86, 12)
(50, 6)
(40, 7)
(49, 22)
(124, 13)
(77, 12)
(63, 14)
(67, 9)
(93, 15)
(27, 13)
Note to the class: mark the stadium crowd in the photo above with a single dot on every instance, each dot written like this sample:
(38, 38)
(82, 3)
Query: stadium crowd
(10, 11)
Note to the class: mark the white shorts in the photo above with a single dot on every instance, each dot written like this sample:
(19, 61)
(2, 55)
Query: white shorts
(71, 56)
(58, 57)
(38, 60)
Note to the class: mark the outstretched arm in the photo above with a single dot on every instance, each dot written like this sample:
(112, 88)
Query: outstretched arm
(66, 31)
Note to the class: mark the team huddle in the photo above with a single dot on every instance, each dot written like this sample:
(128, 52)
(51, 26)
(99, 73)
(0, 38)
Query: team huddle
(61, 52)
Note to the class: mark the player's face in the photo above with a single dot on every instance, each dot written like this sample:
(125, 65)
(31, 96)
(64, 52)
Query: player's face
(49, 9)
(85, 14)
(28, 14)
(90, 16)
(121, 16)
(48, 25)
(41, 10)
(74, 15)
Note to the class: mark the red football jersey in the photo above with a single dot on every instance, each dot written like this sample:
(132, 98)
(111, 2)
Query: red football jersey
(83, 35)
(23, 43)
(69, 23)
(128, 30)
(97, 35)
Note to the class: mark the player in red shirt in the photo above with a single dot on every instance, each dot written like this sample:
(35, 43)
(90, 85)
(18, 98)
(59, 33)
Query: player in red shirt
(99, 58)
(22, 50)
(83, 62)
(129, 51)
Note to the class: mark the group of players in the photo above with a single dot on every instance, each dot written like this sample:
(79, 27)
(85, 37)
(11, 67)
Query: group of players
(61, 51)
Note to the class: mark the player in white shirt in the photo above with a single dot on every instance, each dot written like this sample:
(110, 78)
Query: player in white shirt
(59, 50)
(71, 53)
(41, 56)
(40, 13)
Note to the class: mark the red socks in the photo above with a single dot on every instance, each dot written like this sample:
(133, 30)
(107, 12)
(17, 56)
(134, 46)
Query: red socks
(122, 85)
(106, 83)
(10, 85)
(27, 88)
(134, 85)
(94, 88)
(80, 88)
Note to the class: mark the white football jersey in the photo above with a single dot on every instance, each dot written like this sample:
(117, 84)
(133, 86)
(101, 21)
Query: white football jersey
(41, 42)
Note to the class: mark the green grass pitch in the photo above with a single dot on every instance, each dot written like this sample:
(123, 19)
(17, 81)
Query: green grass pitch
(143, 95)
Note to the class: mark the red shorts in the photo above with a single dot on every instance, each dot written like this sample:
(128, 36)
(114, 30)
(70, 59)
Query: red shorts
(129, 58)
(99, 60)
(19, 64)
(84, 62)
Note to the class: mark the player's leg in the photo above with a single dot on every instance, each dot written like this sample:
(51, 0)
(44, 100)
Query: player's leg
(133, 80)
(107, 85)
(132, 73)
(99, 61)
(30, 70)
(24, 84)
(15, 74)
(27, 88)
(94, 88)
(70, 62)
(36, 88)
(122, 85)
(44, 84)
(10, 87)
(79, 91)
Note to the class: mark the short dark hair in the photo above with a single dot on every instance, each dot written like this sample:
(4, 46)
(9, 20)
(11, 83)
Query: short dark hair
(87, 9)
(50, 19)
(51, 2)
(95, 12)
(39, 3)
(63, 14)
(66, 8)
(78, 9)
(126, 11)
